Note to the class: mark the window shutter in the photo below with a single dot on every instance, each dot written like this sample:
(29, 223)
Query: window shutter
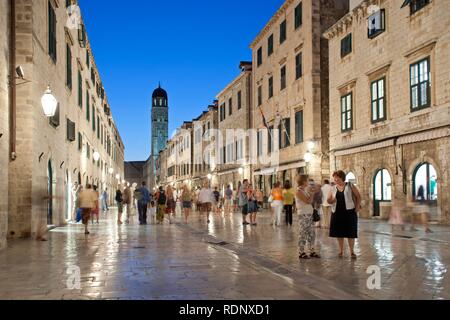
(71, 131)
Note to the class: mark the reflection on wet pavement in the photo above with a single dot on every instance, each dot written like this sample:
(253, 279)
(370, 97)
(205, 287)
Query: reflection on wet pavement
(222, 260)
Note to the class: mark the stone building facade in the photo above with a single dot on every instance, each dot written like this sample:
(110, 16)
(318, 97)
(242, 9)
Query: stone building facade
(234, 120)
(390, 102)
(204, 147)
(49, 155)
(290, 87)
(4, 117)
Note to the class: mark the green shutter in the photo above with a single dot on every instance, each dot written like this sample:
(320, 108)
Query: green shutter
(88, 108)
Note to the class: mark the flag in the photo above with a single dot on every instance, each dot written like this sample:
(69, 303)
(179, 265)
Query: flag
(264, 118)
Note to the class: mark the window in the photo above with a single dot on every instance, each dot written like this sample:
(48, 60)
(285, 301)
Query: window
(259, 96)
(286, 133)
(88, 116)
(80, 141)
(376, 24)
(259, 57)
(239, 97)
(270, 87)
(260, 143)
(71, 131)
(299, 127)
(346, 113)
(416, 5)
(346, 45)
(270, 45)
(270, 139)
(420, 85)
(93, 76)
(298, 16)
(230, 106)
(88, 60)
(93, 118)
(298, 66)
(378, 102)
(80, 90)
(68, 67)
(51, 32)
(283, 77)
(88, 151)
(68, 3)
(283, 32)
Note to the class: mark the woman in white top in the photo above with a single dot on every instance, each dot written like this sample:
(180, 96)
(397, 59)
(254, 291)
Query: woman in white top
(307, 234)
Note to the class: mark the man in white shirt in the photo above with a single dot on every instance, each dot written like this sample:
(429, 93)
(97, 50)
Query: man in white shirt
(205, 198)
(326, 207)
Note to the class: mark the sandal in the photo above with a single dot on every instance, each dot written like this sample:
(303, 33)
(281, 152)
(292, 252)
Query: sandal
(341, 255)
(354, 256)
(314, 255)
(304, 256)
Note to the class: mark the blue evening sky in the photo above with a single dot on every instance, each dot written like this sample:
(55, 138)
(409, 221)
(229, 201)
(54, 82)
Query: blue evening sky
(192, 47)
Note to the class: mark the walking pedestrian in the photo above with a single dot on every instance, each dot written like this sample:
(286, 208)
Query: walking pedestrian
(317, 201)
(243, 201)
(346, 201)
(186, 198)
(88, 200)
(170, 203)
(127, 203)
(161, 200)
(421, 210)
(288, 201)
(395, 218)
(259, 199)
(119, 201)
(326, 207)
(304, 203)
(205, 198)
(96, 210)
(75, 192)
(105, 200)
(277, 195)
(252, 205)
(143, 197)
(152, 211)
(216, 200)
(228, 199)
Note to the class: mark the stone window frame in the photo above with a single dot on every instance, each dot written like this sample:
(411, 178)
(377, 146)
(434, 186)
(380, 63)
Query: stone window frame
(298, 19)
(346, 127)
(429, 81)
(270, 45)
(344, 90)
(270, 87)
(346, 53)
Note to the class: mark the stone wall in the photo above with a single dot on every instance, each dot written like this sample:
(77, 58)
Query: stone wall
(4, 119)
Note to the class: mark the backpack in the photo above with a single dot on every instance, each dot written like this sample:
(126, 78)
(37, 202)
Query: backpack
(162, 198)
(138, 195)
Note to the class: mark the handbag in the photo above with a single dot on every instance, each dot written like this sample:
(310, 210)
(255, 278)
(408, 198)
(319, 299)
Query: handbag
(316, 216)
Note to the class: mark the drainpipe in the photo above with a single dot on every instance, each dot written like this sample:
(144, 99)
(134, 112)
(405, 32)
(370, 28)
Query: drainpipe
(12, 81)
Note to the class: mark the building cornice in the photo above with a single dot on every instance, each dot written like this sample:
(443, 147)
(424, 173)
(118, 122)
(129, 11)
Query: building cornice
(271, 23)
(232, 84)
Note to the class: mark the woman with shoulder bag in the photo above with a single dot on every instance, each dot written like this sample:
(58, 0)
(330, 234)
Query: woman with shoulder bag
(346, 201)
(305, 211)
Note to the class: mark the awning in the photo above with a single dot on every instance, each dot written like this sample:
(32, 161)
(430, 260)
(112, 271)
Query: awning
(374, 146)
(272, 170)
(425, 136)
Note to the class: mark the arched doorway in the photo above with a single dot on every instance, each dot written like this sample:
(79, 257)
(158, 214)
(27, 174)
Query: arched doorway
(50, 186)
(351, 178)
(382, 188)
(425, 176)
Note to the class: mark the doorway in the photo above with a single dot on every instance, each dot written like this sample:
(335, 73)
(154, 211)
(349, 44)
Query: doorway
(382, 188)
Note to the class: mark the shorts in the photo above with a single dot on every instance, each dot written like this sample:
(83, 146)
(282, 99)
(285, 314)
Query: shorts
(228, 202)
(187, 204)
(252, 207)
(86, 215)
(206, 206)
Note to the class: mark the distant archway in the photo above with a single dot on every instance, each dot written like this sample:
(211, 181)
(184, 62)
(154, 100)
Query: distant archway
(425, 175)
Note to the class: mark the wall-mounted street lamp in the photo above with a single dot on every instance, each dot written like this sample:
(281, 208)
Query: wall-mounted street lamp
(209, 176)
(311, 145)
(308, 157)
(111, 170)
(118, 177)
(49, 103)
(241, 171)
(96, 156)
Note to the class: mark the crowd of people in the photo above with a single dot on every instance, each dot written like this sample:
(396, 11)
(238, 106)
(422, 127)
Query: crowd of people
(331, 205)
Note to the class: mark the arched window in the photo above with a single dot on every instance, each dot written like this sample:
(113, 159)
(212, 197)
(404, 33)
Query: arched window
(425, 176)
(382, 189)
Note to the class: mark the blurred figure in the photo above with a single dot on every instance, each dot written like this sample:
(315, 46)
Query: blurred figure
(228, 199)
(216, 201)
(205, 198)
(127, 202)
(186, 198)
(119, 201)
(105, 200)
(395, 218)
(88, 200)
(170, 204)
(259, 199)
(422, 210)
(152, 211)
(288, 199)
(161, 200)
(252, 205)
(243, 201)
(96, 210)
(277, 204)
(75, 191)
(326, 208)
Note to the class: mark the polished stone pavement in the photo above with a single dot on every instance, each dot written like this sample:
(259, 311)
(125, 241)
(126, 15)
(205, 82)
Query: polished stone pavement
(222, 260)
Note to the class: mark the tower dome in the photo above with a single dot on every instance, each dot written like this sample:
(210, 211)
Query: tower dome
(160, 93)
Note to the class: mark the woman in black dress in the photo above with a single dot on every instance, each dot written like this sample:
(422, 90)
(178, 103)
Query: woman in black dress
(346, 201)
